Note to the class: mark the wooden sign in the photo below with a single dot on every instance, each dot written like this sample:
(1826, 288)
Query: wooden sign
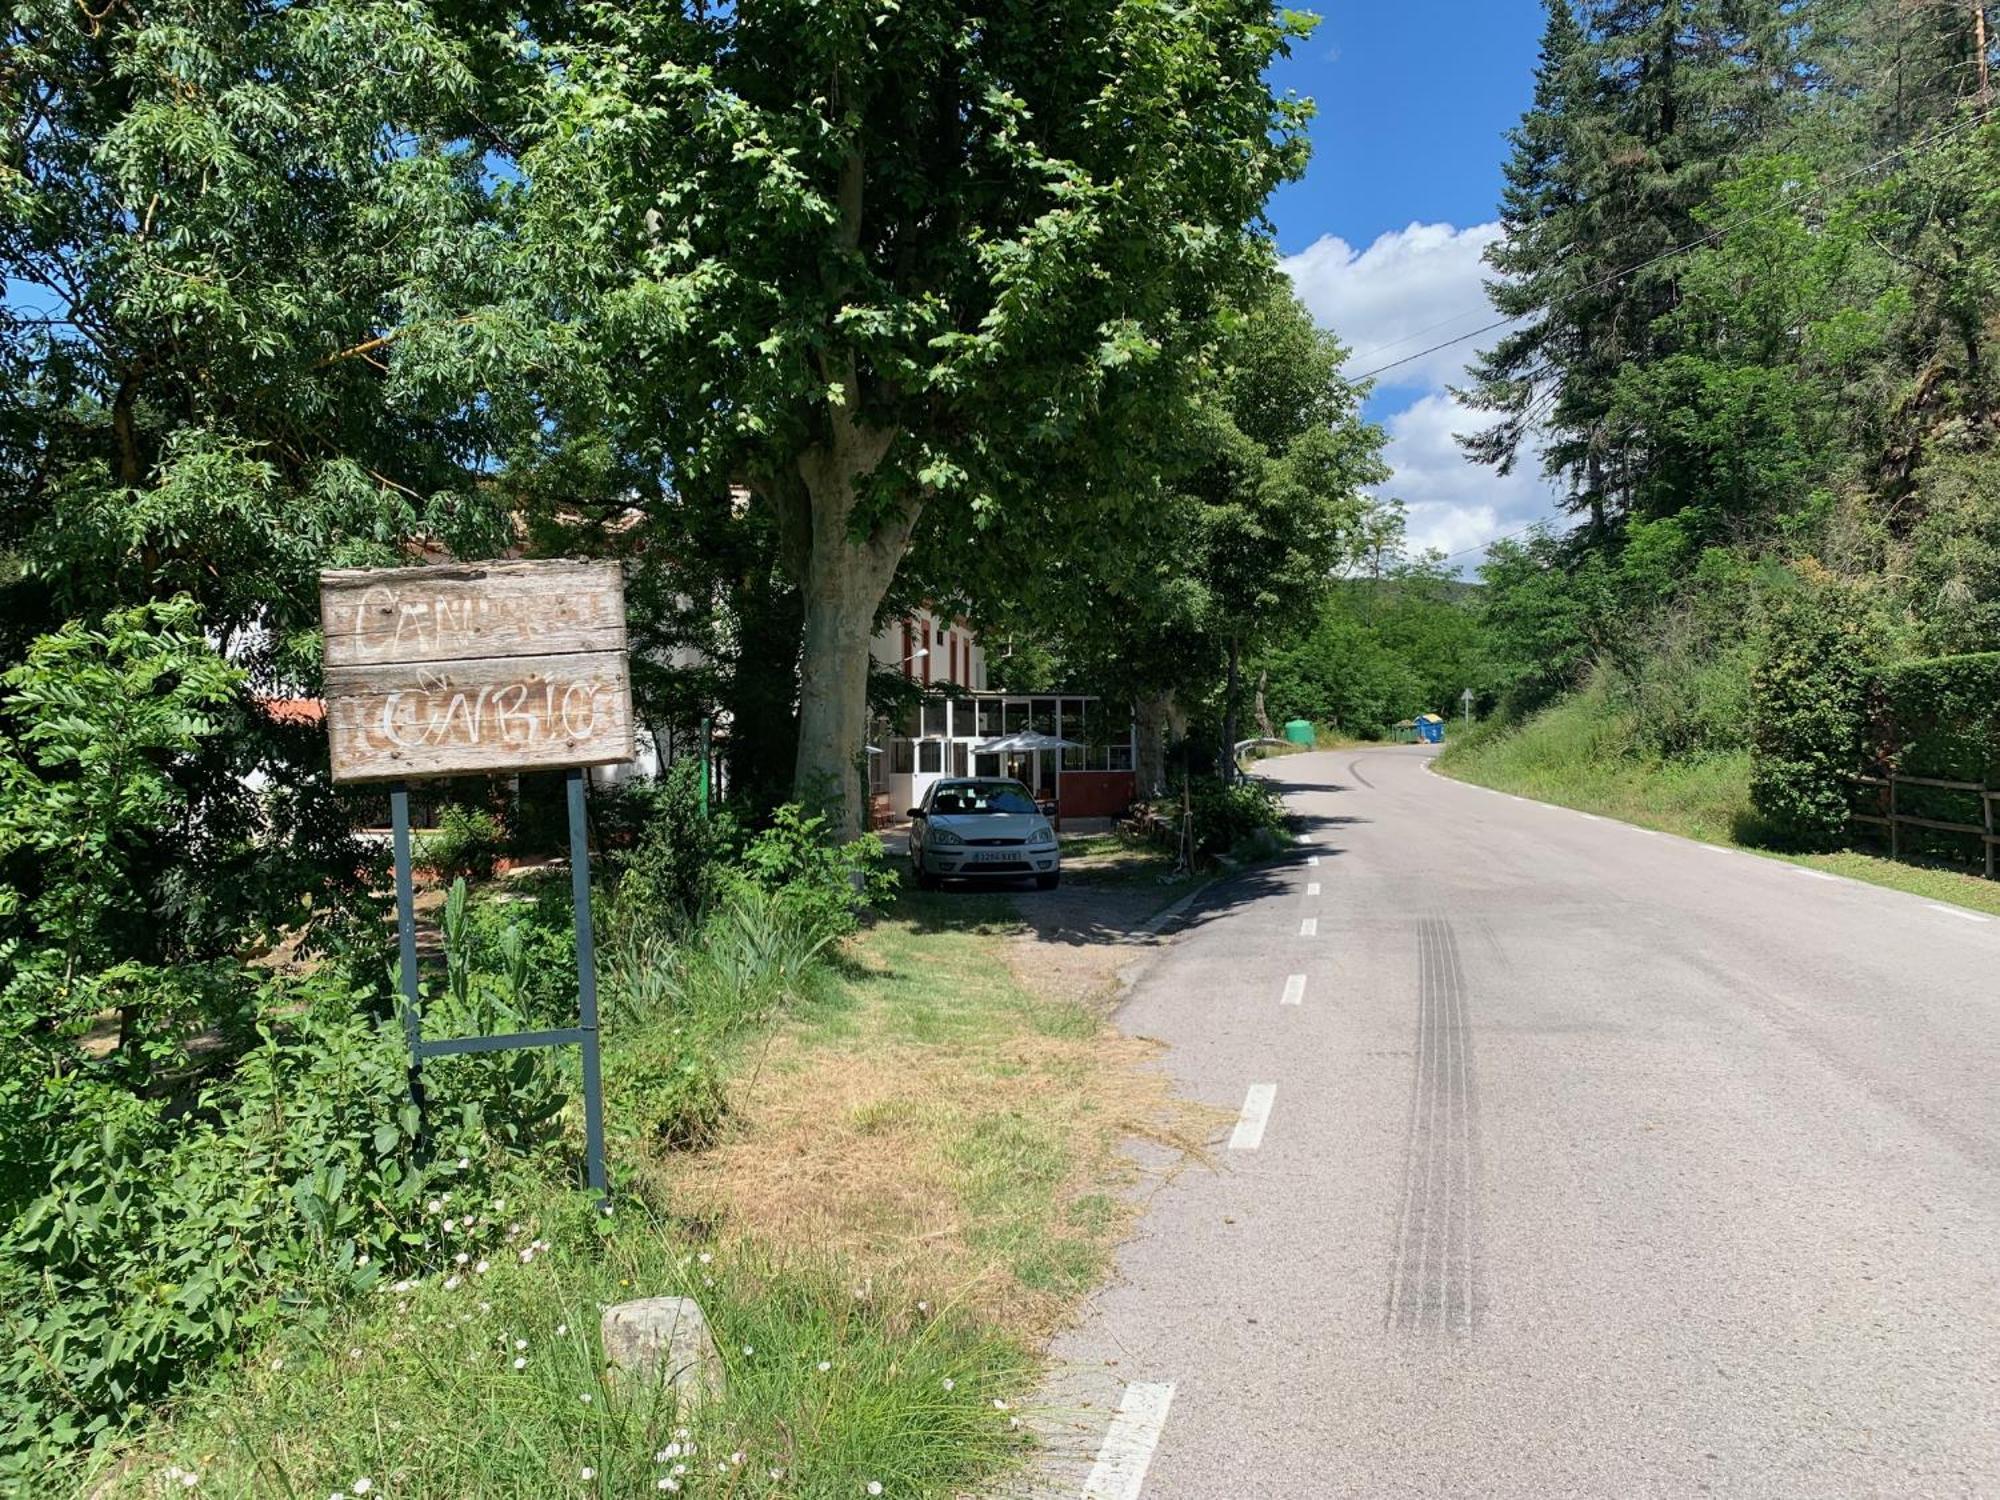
(475, 668)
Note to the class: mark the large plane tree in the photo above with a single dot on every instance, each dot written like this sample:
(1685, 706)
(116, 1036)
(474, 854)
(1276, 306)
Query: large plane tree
(871, 259)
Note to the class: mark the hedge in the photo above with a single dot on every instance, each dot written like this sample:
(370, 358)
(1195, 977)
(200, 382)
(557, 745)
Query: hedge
(1940, 719)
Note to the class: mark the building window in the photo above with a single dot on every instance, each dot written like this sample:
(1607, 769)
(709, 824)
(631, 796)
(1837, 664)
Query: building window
(986, 765)
(989, 719)
(964, 718)
(877, 772)
(1043, 720)
(899, 756)
(934, 717)
(930, 756)
(1121, 756)
(1017, 715)
(959, 751)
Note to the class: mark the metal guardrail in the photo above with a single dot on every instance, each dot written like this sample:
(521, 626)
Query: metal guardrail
(1895, 820)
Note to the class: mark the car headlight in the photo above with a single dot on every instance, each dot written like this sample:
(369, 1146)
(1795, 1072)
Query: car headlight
(944, 838)
(1042, 838)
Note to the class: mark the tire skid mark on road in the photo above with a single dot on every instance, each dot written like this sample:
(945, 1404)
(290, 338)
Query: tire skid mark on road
(1432, 1281)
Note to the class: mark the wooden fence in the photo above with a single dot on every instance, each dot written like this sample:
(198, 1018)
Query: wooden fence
(1892, 818)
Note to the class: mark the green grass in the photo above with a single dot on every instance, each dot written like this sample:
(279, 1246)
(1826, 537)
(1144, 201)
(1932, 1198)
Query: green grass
(419, 1392)
(1578, 754)
(911, 1186)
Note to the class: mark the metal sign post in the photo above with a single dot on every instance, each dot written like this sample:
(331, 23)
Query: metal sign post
(1466, 698)
(469, 670)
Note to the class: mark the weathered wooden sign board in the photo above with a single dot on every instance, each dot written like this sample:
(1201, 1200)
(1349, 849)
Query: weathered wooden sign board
(475, 668)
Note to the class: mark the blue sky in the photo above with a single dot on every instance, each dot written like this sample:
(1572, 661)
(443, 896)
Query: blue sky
(1383, 235)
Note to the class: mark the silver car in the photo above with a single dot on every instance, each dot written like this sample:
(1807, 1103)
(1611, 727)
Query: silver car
(982, 828)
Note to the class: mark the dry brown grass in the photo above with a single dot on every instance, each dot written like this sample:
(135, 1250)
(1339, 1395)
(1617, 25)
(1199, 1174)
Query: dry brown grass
(952, 1129)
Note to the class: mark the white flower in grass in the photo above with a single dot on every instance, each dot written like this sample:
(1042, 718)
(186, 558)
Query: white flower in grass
(681, 1433)
(486, 1307)
(521, 1362)
(499, 1205)
(705, 1258)
(874, 1486)
(527, 1256)
(1013, 1421)
(777, 1473)
(748, 1350)
(679, 1470)
(588, 1472)
(435, 1206)
(669, 1484)
(520, 1343)
(736, 1458)
(189, 1479)
(481, 1269)
(354, 1353)
(998, 1404)
(278, 1363)
(337, 1495)
(460, 1259)
(363, 1485)
(450, 1225)
(825, 1365)
(667, 1454)
(360, 1260)
(561, 1329)
(452, 1283)
(708, 1281)
(950, 1384)
(585, 1398)
(464, 1162)
(923, 1307)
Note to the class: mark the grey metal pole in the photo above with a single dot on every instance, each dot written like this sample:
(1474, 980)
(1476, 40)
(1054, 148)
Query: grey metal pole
(406, 934)
(586, 981)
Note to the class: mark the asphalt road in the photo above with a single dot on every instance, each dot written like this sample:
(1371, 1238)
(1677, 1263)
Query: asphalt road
(1592, 1162)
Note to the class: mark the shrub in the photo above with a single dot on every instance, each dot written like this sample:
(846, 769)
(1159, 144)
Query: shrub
(1816, 647)
(673, 873)
(182, 1225)
(799, 860)
(1227, 815)
(1940, 719)
(467, 843)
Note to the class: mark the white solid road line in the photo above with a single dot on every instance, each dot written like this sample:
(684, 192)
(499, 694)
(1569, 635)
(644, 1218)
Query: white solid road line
(1127, 1453)
(1312, 887)
(1813, 874)
(1295, 990)
(1309, 927)
(1312, 859)
(1953, 911)
(1249, 1132)
(1593, 817)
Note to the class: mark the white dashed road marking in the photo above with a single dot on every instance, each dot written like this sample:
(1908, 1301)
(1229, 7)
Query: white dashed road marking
(1953, 911)
(1295, 990)
(1312, 859)
(1309, 927)
(1127, 1453)
(1312, 887)
(1249, 1132)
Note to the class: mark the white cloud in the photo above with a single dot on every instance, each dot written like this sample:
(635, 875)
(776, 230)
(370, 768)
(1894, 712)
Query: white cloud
(1412, 288)
(1454, 503)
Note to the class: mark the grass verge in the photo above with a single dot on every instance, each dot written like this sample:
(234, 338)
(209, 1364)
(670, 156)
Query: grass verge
(1578, 754)
(914, 1181)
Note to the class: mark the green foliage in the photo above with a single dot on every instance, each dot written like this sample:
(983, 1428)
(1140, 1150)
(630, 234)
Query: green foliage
(185, 1227)
(801, 862)
(1940, 719)
(467, 843)
(1231, 816)
(1816, 651)
(673, 874)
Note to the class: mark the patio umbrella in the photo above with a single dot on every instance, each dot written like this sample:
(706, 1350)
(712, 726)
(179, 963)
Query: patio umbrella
(1024, 740)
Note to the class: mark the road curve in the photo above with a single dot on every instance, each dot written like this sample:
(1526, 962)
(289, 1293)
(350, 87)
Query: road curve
(1569, 1159)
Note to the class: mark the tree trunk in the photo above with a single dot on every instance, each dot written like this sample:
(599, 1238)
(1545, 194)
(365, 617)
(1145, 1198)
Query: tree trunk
(842, 581)
(1152, 724)
(1228, 756)
(1258, 711)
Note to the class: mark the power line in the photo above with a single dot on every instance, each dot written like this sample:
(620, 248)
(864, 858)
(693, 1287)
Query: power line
(1935, 138)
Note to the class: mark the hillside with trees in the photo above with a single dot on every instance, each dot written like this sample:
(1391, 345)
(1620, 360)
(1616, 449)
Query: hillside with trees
(1752, 259)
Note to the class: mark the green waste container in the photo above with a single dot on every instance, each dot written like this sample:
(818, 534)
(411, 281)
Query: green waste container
(1299, 731)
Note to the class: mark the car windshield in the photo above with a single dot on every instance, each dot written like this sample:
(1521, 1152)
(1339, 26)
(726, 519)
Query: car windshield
(966, 798)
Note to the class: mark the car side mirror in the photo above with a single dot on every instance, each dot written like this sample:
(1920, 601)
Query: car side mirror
(916, 812)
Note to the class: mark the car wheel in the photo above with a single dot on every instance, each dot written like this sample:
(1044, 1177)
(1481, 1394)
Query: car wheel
(925, 880)
(1048, 882)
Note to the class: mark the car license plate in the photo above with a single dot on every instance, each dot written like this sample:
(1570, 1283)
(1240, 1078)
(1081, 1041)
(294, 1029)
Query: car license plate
(994, 856)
